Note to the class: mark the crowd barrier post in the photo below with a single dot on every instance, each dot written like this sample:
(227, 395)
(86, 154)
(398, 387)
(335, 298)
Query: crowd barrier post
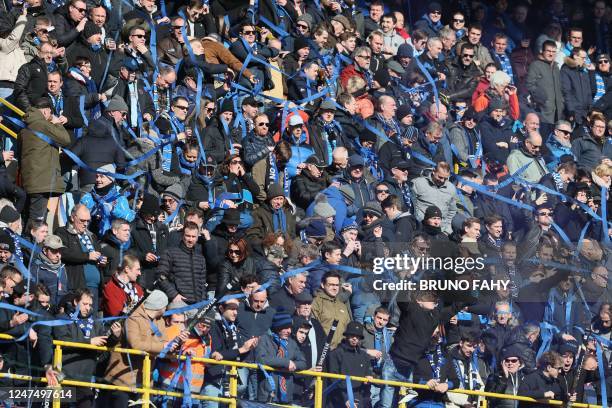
(233, 385)
(483, 402)
(402, 393)
(318, 392)
(146, 381)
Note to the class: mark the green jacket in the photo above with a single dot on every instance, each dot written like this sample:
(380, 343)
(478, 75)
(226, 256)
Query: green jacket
(40, 162)
(326, 310)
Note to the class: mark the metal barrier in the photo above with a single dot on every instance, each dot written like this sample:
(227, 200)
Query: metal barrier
(16, 110)
(146, 391)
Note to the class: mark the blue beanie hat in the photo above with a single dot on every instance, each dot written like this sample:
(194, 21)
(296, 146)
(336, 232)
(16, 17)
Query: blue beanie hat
(281, 320)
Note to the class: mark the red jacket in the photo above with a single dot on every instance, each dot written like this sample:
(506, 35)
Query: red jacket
(348, 72)
(114, 297)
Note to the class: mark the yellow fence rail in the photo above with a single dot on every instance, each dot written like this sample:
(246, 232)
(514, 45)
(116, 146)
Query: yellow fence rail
(16, 110)
(145, 391)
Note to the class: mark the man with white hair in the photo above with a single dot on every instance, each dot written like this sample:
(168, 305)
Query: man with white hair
(500, 89)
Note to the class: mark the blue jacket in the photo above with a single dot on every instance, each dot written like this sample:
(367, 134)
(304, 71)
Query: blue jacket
(105, 209)
(556, 150)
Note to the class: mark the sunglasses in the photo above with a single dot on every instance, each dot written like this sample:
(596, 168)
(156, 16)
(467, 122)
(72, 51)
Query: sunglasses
(233, 251)
(545, 213)
(565, 132)
(248, 32)
(263, 124)
(80, 10)
(236, 162)
(603, 61)
(304, 26)
(182, 107)
(139, 35)
(458, 20)
(210, 109)
(437, 12)
(382, 191)
(512, 360)
(467, 55)
(177, 27)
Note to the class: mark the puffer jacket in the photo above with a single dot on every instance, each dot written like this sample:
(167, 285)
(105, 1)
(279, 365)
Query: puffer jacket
(40, 163)
(65, 28)
(229, 275)
(183, 271)
(31, 81)
(11, 55)
(256, 148)
(536, 169)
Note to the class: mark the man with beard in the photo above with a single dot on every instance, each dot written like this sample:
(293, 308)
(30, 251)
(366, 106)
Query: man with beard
(464, 370)
(528, 154)
(558, 144)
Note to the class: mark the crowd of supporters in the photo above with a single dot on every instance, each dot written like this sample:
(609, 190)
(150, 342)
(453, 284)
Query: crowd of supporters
(240, 179)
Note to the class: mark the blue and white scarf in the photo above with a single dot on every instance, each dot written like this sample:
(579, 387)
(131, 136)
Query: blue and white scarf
(600, 87)
(506, 66)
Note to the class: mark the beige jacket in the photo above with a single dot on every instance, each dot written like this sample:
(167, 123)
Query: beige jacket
(11, 54)
(127, 370)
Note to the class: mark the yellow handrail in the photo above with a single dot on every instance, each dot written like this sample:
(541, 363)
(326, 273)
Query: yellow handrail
(11, 107)
(146, 391)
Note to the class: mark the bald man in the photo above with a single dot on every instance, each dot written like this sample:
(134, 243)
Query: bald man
(339, 162)
(528, 155)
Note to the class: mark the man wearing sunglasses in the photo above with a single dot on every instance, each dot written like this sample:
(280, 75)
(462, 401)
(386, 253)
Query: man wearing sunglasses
(463, 74)
(431, 22)
(248, 44)
(558, 144)
(70, 21)
(528, 153)
(510, 377)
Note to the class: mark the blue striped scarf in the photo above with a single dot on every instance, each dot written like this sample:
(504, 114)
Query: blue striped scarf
(506, 66)
(600, 87)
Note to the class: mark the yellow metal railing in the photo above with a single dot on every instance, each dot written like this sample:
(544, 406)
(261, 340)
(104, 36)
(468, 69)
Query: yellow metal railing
(146, 391)
(16, 110)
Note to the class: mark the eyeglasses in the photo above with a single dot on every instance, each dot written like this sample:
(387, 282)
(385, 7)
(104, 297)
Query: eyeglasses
(512, 360)
(458, 20)
(467, 55)
(366, 57)
(233, 251)
(185, 108)
(263, 124)
(248, 32)
(138, 35)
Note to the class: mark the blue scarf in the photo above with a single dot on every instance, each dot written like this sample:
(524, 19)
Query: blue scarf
(600, 87)
(100, 210)
(58, 104)
(279, 220)
(18, 252)
(506, 66)
(123, 246)
(437, 363)
(86, 326)
(282, 352)
(52, 66)
(185, 166)
(76, 74)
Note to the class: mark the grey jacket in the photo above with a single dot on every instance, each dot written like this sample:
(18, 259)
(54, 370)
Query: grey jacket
(544, 84)
(425, 193)
(534, 172)
(266, 353)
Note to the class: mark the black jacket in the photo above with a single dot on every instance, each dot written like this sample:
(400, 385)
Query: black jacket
(229, 274)
(216, 140)
(65, 29)
(224, 343)
(142, 243)
(183, 271)
(145, 103)
(416, 325)
(99, 147)
(215, 250)
(99, 60)
(536, 384)
(493, 132)
(462, 81)
(31, 82)
(576, 88)
(114, 254)
(500, 384)
(347, 360)
(73, 256)
(261, 71)
(305, 187)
